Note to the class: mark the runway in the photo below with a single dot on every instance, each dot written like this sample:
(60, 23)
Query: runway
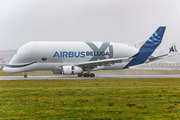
(66, 77)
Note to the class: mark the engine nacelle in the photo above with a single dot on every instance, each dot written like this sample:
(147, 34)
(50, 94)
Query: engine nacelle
(56, 71)
(71, 70)
(68, 70)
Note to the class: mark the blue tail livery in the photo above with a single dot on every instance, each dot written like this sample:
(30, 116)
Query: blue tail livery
(148, 47)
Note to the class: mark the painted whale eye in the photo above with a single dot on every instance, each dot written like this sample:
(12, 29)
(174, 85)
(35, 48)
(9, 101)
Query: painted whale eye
(44, 59)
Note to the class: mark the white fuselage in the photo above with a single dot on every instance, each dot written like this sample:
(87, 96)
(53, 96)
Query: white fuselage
(48, 55)
(76, 57)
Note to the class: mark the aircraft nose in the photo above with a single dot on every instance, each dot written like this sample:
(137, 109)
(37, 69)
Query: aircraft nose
(5, 69)
(10, 70)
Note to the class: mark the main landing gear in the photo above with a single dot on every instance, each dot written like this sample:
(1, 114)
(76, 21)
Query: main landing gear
(25, 75)
(86, 75)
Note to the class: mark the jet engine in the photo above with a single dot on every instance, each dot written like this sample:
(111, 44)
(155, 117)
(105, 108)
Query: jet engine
(67, 70)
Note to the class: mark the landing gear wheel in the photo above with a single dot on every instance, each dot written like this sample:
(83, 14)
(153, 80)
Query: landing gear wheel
(92, 75)
(80, 75)
(25, 76)
(85, 75)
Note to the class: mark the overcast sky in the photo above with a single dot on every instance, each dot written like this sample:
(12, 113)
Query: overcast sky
(122, 21)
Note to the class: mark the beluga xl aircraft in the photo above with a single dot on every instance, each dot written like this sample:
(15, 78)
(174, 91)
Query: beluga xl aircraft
(77, 57)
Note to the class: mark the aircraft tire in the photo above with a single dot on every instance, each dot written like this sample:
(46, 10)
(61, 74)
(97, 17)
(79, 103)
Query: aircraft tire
(92, 75)
(85, 75)
(80, 75)
(25, 76)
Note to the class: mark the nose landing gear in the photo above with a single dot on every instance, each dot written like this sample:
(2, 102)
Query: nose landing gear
(25, 75)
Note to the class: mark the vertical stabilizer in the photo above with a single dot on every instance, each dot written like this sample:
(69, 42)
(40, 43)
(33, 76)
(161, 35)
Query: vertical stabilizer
(148, 47)
(155, 40)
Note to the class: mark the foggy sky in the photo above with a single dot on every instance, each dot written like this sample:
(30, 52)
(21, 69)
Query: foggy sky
(122, 21)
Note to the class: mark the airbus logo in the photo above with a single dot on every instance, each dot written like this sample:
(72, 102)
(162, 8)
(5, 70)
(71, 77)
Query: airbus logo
(70, 54)
(81, 54)
(96, 53)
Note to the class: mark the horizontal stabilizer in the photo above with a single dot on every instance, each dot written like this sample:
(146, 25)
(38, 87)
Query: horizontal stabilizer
(151, 58)
(172, 50)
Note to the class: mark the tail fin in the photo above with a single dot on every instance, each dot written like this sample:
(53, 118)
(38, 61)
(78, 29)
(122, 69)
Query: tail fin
(155, 40)
(148, 47)
(172, 50)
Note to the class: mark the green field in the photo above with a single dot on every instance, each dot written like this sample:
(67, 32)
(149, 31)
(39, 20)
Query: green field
(90, 99)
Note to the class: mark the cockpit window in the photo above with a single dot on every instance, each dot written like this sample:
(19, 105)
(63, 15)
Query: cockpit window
(9, 66)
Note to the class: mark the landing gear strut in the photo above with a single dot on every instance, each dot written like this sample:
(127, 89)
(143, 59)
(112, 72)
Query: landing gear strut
(25, 75)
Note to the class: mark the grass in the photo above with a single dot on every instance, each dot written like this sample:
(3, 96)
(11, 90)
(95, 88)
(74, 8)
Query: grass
(90, 99)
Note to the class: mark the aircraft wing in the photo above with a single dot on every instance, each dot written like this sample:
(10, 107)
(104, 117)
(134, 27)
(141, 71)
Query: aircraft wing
(94, 64)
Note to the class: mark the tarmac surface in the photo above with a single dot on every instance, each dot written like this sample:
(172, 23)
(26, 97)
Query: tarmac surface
(96, 77)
